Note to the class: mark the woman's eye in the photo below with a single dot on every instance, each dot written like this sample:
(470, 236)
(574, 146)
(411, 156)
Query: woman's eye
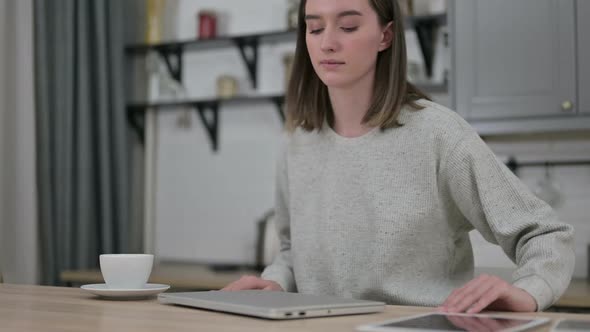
(349, 29)
(315, 31)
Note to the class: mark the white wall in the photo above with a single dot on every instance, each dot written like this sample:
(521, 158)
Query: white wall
(207, 203)
(18, 215)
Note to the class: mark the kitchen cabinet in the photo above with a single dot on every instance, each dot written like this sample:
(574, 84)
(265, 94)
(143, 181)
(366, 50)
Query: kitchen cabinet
(514, 65)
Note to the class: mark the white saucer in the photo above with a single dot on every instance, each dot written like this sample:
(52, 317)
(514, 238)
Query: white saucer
(103, 290)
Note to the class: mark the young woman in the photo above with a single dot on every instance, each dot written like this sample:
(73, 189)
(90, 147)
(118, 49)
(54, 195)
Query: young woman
(378, 187)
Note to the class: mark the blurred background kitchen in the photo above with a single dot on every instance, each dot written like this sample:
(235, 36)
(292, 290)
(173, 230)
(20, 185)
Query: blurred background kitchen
(154, 125)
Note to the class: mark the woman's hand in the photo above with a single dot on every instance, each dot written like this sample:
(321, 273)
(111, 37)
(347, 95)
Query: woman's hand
(488, 292)
(252, 282)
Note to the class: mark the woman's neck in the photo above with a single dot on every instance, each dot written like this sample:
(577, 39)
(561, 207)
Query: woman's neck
(350, 104)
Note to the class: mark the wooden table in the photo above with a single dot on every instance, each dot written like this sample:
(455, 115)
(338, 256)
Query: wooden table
(198, 277)
(177, 275)
(577, 295)
(38, 308)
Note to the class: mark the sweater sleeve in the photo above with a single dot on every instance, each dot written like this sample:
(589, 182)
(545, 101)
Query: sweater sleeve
(281, 269)
(507, 213)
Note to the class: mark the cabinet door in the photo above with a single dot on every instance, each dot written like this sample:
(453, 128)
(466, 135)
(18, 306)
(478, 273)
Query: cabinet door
(513, 59)
(583, 34)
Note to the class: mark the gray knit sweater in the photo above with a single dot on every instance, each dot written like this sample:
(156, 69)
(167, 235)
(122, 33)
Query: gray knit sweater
(386, 216)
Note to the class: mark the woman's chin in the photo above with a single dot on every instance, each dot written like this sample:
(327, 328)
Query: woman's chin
(336, 82)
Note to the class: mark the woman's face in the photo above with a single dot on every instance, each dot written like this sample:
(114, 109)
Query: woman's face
(343, 39)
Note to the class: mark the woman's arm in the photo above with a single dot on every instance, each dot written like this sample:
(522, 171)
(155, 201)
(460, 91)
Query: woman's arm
(281, 269)
(505, 212)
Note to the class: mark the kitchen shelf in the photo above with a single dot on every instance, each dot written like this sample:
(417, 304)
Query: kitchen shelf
(172, 52)
(434, 19)
(208, 44)
(136, 111)
(432, 87)
(426, 27)
(514, 164)
(272, 36)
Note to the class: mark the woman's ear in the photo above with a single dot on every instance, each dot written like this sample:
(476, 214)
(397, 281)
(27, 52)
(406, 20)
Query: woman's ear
(386, 37)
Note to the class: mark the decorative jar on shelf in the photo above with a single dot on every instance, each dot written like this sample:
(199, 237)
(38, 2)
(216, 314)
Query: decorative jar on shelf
(207, 24)
(153, 30)
(293, 14)
(227, 86)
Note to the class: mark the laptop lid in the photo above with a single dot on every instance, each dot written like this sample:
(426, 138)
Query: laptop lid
(272, 305)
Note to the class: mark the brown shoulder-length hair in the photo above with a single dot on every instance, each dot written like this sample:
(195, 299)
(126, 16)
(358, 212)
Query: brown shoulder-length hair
(308, 102)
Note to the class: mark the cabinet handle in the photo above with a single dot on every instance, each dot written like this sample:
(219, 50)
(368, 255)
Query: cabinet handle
(567, 105)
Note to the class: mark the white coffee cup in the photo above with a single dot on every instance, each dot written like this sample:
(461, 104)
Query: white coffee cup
(126, 271)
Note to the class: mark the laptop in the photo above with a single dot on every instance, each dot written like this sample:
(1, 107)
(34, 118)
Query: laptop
(271, 304)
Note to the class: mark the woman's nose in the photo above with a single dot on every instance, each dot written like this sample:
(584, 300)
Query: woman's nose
(329, 41)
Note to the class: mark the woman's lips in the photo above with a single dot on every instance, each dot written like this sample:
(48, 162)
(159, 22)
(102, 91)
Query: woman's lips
(331, 64)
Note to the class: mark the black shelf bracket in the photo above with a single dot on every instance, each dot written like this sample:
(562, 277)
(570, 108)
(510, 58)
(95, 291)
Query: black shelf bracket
(512, 165)
(248, 47)
(211, 125)
(207, 109)
(280, 104)
(136, 118)
(426, 27)
(173, 60)
(426, 33)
